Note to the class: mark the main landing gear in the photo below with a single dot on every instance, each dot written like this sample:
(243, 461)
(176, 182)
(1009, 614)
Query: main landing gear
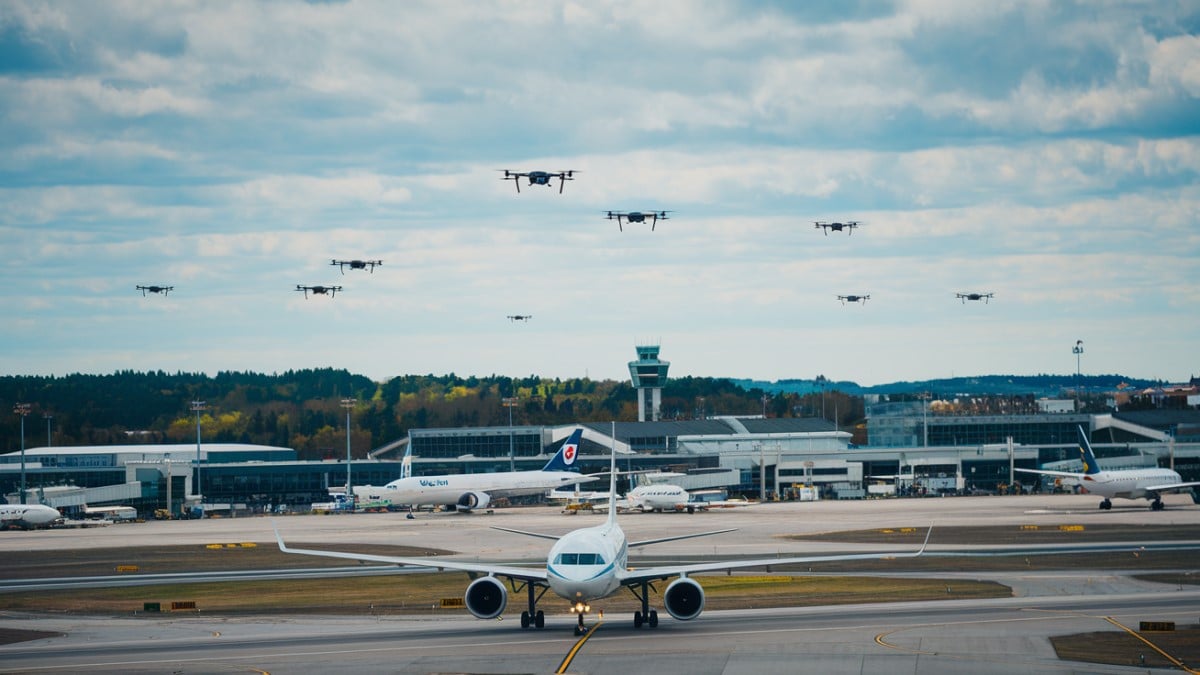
(646, 616)
(1106, 505)
(533, 616)
(1157, 505)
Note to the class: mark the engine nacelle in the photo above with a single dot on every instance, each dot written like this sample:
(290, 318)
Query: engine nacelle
(473, 500)
(684, 599)
(486, 598)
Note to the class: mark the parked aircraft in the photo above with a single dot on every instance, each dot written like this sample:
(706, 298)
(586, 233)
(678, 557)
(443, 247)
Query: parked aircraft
(1123, 483)
(27, 516)
(469, 491)
(589, 564)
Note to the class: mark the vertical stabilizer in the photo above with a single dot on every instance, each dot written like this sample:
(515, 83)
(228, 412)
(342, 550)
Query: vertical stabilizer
(565, 458)
(406, 464)
(1090, 466)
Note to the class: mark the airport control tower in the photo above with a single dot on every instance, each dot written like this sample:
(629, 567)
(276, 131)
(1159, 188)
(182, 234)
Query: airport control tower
(648, 373)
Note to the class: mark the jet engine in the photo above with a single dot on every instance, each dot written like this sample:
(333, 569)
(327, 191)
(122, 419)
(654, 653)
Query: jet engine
(684, 599)
(473, 500)
(486, 598)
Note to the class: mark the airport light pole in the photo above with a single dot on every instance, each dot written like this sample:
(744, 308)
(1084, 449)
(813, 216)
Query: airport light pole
(198, 406)
(511, 402)
(48, 417)
(348, 404)
(22, 409)
(1078, 351)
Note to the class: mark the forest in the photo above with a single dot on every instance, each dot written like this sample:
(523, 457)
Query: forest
(304, 410)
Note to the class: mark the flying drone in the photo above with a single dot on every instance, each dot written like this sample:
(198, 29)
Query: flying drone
(368, 265)
(975, 296)
(854, 298)
(539, 177)
(319, 290)
(848, 226)
(519, 317)
(637, 217)
(155, 289)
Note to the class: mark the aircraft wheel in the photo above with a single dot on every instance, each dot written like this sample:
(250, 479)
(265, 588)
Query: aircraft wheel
(1106, 505)
(653, 622)
(637, 619)
(1157, 505)
(539, 619)
(579, 630)
(524, 619)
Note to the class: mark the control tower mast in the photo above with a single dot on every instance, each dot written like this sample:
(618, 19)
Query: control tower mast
(648, 374)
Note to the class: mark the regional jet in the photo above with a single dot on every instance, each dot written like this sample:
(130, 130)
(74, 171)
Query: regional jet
(590, 564)
(469, 491)
(27, 516)
(1124, 483)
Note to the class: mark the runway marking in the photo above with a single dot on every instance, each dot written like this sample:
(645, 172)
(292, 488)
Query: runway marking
(1151, 645)
(881, 641)
(566, 662)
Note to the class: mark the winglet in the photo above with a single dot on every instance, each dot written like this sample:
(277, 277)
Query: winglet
(928, 534)
(279, 538)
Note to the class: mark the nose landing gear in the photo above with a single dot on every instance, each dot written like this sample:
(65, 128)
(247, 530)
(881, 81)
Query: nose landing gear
(580, 608)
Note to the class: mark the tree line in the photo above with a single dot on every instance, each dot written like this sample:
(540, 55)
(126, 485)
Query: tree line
(304, 410)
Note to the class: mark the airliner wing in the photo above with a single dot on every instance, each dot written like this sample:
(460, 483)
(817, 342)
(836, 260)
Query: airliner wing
(1172, 487)
(663, 572)
(525, 574)
(647, 542)
(527, 533)
(1061, 474)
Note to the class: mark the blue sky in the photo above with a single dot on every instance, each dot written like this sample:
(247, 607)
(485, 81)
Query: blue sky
(1047, 152)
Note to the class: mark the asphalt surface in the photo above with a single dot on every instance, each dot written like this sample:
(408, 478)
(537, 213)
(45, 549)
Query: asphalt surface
(985, 636)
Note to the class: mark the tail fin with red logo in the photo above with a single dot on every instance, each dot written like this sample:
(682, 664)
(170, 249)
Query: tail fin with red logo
(566, 457)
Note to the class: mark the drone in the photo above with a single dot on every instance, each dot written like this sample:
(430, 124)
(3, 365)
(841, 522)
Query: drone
(519, 317)
(637, 217)
(837, 227)
(854, 298)
(155, 289)
(319, 290)
(368, 265)
(539, 177)
(975, 296)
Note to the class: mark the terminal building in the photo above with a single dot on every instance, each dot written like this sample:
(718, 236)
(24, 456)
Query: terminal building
(750, 456)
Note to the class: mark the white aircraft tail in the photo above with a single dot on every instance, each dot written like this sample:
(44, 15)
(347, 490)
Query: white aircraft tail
(406, 465)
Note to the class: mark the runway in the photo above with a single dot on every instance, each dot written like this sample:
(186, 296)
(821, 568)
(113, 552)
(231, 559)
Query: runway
(982, 636)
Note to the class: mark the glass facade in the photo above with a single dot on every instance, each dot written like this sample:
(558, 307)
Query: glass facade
(488, 443)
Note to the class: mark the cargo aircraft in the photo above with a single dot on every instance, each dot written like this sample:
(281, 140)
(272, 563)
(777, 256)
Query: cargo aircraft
(469, 491)
(590, 564)
(1123, 483)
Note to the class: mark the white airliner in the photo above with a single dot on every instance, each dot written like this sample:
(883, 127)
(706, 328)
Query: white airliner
(27, 516)
(476, 490)
(589, 564)
(1124, 483)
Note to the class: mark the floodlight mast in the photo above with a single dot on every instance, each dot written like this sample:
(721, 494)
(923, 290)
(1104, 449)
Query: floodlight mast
(511, 402)
(22, 409)
(198, 406)
(348, 404)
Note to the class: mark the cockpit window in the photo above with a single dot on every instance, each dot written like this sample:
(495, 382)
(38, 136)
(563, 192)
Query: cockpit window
(579, 559)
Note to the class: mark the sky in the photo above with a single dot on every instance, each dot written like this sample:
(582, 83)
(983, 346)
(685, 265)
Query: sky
(1046, 152)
